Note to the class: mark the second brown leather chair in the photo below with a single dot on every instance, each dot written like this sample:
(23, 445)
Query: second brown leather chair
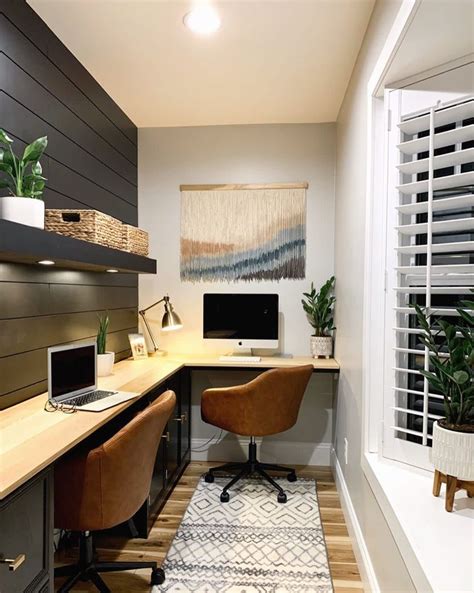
(102, 487)
(267, 405)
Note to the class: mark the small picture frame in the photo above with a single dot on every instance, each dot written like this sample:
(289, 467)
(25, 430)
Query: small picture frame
(138, 346)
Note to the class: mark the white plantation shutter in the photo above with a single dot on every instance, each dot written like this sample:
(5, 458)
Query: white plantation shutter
(430, 260)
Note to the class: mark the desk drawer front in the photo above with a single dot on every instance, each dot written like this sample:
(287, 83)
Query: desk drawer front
(25, 519)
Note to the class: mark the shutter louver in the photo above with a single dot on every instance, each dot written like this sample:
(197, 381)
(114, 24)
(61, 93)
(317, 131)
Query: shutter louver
(435, 249)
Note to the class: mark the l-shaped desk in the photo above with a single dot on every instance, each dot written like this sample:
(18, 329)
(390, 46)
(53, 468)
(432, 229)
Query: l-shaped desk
(31, 440)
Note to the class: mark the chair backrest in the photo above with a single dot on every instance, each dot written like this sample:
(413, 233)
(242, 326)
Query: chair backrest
(267, 405)
(105, 486)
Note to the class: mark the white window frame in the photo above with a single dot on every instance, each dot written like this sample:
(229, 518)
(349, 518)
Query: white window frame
(373, 339)
(376, 372)
(394, 447)
(375, 275)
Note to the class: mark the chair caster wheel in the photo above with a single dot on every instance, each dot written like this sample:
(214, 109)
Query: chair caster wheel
(282, 497)
(157, 576)
(291, 477)
(209, 478)
(225, 497)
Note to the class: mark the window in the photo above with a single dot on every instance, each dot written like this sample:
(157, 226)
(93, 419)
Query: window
(430, 253)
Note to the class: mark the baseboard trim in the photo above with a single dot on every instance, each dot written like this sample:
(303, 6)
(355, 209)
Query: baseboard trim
(270, 451)
(361, 552)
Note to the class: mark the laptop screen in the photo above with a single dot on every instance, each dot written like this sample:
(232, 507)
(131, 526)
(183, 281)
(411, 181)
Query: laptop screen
(72, 369)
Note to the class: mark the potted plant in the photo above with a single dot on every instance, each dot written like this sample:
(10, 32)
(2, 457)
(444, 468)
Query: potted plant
(451, 374)
(105, 360)
(319, 309)
(23, 178)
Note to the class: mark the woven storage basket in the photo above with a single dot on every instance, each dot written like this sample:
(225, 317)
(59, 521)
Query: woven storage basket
(87, 225)
(134, 240)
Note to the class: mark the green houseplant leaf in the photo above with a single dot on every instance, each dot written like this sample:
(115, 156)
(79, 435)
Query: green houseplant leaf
(34, 150)
(4, 138)
(451, 356)
(319, 308)
(102, 333)
(22, 176)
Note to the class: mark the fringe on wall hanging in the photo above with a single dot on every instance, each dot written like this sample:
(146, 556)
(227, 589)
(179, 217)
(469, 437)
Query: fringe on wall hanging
(243, 232)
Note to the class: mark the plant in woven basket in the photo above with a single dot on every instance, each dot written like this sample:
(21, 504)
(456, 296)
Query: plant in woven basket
(319, 308)
(22, 175)
(102, 334)
(451, 360)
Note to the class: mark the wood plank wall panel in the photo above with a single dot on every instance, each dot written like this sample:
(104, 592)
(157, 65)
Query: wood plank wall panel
(91, 162)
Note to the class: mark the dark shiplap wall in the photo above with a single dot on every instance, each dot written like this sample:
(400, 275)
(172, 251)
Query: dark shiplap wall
(91, 162)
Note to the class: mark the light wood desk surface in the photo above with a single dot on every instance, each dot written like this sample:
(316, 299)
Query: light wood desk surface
(31, 439)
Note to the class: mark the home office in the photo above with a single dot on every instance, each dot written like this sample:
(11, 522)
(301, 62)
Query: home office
(178, 410)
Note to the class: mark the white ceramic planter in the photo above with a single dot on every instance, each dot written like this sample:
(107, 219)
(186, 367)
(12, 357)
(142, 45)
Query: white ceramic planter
(453, 452)
(321, 346)
(105, 364)
(28, 211)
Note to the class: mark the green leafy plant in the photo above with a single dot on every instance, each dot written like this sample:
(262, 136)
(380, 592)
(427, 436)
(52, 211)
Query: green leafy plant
(102, 334)
(319, 308)
(22, 175)
(451, 357)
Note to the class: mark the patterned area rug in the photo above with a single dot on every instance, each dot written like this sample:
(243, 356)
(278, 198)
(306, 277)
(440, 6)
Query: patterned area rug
(251, 544)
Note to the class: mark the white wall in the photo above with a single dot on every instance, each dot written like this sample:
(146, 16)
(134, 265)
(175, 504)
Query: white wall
(169, 157)
(351, 164)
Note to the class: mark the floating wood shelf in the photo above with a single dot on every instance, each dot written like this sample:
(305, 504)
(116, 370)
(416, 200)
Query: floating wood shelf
(28, 245)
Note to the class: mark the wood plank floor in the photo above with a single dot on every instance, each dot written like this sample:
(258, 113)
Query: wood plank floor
(344, 570)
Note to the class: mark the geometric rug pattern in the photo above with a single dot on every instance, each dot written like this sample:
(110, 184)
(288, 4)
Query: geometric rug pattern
(252, 544)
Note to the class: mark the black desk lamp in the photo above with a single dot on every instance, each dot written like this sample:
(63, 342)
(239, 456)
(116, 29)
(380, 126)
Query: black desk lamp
(170, 321)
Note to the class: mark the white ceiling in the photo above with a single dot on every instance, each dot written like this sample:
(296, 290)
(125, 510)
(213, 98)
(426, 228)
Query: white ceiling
(273, 61)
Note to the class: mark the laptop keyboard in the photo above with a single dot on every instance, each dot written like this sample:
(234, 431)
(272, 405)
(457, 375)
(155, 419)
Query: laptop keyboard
(88, 398)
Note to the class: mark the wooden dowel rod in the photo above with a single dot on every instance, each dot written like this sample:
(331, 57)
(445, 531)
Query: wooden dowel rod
(234, 186)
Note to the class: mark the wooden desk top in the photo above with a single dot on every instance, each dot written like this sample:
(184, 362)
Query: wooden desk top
(31, 439)
(208, 361)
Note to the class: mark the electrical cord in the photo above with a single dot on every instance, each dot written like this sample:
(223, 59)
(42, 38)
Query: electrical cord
(207, 445)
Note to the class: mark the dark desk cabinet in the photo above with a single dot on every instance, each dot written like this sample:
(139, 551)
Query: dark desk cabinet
(174, 451)
(26, 527)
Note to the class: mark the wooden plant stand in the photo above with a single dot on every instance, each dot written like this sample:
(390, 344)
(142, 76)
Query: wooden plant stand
(452, 486)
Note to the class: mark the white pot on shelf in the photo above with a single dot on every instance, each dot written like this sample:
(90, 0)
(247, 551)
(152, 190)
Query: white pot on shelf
(28, 211)
(321, 346)
(453, 452)
(105, 364)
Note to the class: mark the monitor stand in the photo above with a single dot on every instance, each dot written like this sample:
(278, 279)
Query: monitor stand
(240, 355)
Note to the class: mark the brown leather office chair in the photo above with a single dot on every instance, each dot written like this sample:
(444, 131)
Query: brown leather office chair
(267, 405)
(102, 487)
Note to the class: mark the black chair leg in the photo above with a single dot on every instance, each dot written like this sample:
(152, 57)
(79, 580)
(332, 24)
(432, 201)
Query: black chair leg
(224, 494)
(249, 467)
(117, 566)
(88, 570)
(69, 584)
(281, 493)
(276, 468)
(95, 578)
(227, 467)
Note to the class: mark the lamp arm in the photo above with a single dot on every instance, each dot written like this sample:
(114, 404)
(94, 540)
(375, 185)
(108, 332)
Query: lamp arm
(142, 311)
(145, 322)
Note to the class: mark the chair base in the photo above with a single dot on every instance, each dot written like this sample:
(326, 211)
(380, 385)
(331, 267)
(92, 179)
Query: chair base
(88, 570)
(248, 468)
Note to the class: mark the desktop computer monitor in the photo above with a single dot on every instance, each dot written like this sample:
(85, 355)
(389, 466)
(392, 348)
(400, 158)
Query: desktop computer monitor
(248, 320)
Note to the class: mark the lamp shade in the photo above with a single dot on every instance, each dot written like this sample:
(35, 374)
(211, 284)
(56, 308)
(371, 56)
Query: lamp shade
(171, 319)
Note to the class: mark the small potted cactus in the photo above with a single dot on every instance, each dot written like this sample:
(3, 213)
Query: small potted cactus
(105, 359)
(319, 309)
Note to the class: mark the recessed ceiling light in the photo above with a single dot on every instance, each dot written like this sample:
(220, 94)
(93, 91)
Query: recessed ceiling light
(112, 271)
(202, 20)
(46, 262)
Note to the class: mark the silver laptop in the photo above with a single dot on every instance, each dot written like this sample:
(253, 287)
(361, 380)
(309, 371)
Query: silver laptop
(72, 379)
